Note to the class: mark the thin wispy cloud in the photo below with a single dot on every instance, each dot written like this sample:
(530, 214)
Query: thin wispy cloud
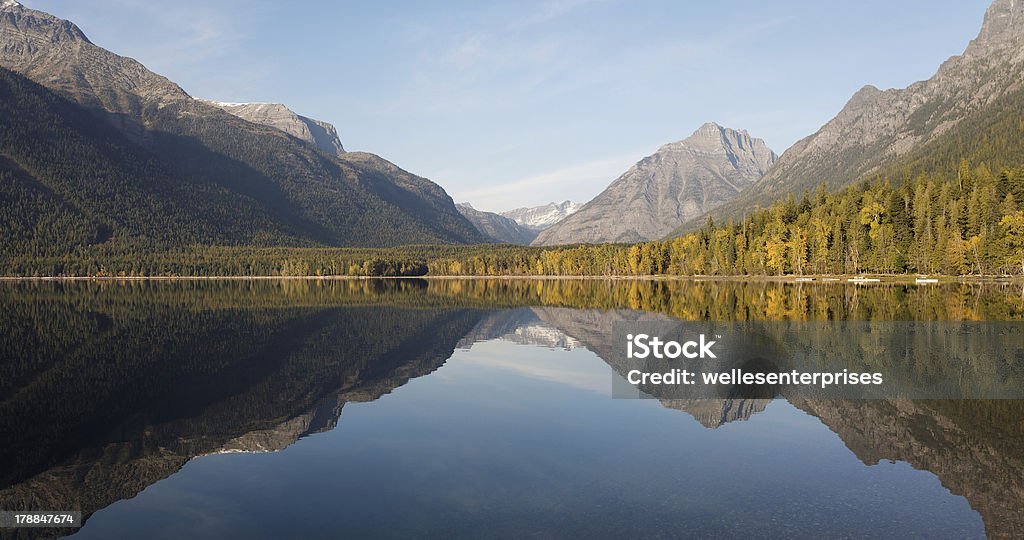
(499, 66)
(191, 35)
(587, 177)
(553, 9)
(470, 51)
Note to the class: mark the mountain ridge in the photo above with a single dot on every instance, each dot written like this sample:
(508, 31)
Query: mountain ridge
(340, 199)
(876, 128)
(496, 226)
(681, 180)
(319, 133)
(541, 217)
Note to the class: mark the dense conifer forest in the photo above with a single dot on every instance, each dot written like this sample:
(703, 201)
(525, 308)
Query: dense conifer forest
(73, 178)
(967, 223)
(973, 226)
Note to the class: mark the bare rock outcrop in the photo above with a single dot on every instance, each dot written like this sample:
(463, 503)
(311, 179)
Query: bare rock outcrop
(679, 182)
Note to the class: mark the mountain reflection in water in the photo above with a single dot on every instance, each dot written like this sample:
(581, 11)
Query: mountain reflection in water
(108, 388)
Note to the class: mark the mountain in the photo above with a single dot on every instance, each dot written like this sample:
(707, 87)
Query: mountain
(57, 54)
(321, 134)
(497, 227)
(539, 218)
(680, 181)
(68, 180)
(906, 130)
(111, 144)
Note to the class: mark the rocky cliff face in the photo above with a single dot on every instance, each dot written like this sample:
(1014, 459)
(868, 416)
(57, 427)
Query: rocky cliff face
(58, 55)
(496, 226)
(679, 182)
(321, 134)
(876, 127)
(541, 217)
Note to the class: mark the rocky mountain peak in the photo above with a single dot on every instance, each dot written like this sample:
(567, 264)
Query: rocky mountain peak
(737, 145)
(1003, 22)
(321, 134)
(876, 128)
(708, 130)
(680, 181)
(864, 95)
(29, 21)
(709, 136)
(56, 53)
(715, 132)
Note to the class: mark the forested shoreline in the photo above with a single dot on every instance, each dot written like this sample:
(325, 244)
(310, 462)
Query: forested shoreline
(970, 224)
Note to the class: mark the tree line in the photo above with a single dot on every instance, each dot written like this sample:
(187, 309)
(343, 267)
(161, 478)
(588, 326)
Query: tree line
(971, 224)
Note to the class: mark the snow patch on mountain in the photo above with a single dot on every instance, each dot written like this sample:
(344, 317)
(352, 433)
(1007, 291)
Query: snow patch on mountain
(542, 217)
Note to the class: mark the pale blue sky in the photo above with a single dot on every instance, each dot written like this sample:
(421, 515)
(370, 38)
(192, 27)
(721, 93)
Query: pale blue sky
(522, 103)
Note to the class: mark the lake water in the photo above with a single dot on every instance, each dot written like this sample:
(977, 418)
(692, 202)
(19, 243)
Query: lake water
(478, 409)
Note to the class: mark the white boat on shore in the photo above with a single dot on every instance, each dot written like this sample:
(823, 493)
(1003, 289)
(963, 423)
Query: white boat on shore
(862, 279)
(921, 280)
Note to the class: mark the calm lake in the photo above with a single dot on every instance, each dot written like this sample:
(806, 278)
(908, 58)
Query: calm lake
(485, 408)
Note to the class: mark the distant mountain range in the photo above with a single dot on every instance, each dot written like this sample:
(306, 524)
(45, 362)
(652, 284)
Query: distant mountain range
(496, 226)
(680, 181)
(541, 217)
(106, 151)
(520, 226)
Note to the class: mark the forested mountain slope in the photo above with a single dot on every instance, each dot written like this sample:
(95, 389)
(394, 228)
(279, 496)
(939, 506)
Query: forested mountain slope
(924, 127)
(190, 171)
